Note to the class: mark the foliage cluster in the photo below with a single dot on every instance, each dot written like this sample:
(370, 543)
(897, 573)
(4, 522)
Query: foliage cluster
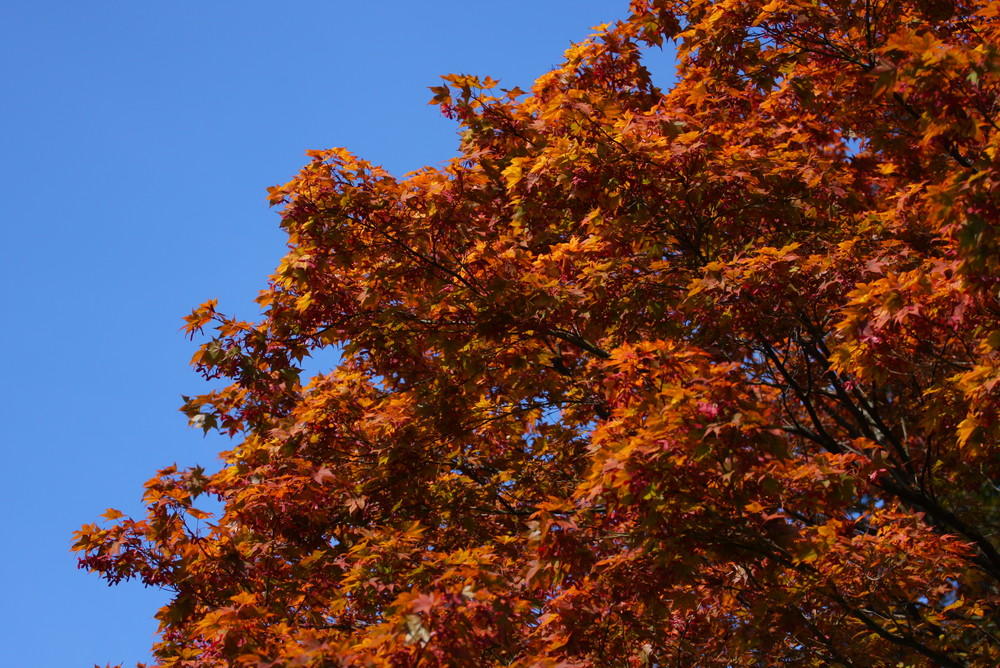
(706, 376)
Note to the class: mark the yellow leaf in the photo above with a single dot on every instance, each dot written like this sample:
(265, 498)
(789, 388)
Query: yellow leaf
(993, 340)
(244, 598)
(887, 168)
(968, 431)
(957, 604)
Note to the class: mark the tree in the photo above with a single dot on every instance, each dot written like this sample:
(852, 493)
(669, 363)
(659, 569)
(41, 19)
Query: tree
(698, 377)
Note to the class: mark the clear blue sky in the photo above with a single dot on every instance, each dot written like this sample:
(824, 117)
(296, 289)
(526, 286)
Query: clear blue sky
(137, 141)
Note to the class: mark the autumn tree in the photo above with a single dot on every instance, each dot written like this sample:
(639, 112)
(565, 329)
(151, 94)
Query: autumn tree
(697, 377)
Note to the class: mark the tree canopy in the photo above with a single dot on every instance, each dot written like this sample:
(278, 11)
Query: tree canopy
(689, 377)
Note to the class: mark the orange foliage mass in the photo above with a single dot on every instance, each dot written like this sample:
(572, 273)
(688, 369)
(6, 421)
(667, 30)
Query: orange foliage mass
(697, 377)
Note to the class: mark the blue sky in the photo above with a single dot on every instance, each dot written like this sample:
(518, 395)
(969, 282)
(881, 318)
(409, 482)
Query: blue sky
(137, 141)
